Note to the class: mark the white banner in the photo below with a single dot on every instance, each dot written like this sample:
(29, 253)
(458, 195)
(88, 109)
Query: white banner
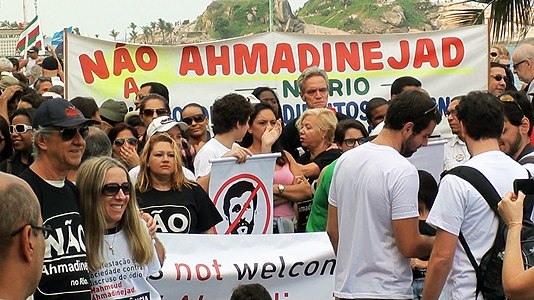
(448, 63)
(207, 267)
(243, 194)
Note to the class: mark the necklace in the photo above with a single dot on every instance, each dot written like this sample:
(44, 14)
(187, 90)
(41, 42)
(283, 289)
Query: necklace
(110, 246)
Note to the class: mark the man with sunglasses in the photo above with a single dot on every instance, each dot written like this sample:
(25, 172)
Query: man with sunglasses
(22, 239)
(59, 132)
(523, 59)
(497, 79)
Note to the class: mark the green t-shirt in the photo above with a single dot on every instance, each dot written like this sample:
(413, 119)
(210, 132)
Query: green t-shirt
(319, 210)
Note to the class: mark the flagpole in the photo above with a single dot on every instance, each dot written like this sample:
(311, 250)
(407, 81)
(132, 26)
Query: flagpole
(66, 61)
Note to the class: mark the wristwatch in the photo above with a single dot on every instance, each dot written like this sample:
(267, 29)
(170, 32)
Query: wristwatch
(281, 189)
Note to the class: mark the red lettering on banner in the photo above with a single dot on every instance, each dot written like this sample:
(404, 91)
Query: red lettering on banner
(148, 52)
(446, 47)
(369, 55)
(213, 60)
(179, 274)
(217, 270)
(303, 50)
(327, 57)
(191, 61)
(243, 59)
(121, 61)
(404, 58)
(283, 59)
(186, 297)
(130, 87)
(91, 68)
(425, 52)
(200, 269)
(199, 276)
(346, 56)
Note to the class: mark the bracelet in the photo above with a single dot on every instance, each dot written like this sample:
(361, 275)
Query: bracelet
(512, 224)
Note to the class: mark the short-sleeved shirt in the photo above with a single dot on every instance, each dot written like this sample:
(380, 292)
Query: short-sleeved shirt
(319, 211)
(187, 211)
(211, 150)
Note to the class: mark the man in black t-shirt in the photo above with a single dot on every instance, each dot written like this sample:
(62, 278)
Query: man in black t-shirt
(313, 89)
(59, 141)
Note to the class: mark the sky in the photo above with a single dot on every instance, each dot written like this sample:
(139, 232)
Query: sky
(101, 16)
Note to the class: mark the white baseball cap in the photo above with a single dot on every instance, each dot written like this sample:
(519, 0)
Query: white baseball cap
(163, 124)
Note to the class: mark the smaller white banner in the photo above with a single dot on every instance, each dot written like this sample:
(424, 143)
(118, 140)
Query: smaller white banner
(243, 194)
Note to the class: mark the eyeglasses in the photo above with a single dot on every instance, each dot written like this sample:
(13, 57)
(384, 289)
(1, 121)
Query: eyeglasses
(197, 118)
(120, 141)
(46, 229)
(69, 133)
(352, 142)
(19, 128)
(451, 112)
(159, 111)
(112, 189)
(499, 77)
(314, 91)
(433, 108)
(510, 99)
(517, 65)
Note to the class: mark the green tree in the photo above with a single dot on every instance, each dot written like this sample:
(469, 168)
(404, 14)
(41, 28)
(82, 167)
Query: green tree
(133, 34)
(220, 26)
(114, 34)
(169, 30)
(147, 34)
(153, 26)
(162, 26)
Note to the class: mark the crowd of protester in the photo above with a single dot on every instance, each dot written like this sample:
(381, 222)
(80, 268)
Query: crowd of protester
(396, 235)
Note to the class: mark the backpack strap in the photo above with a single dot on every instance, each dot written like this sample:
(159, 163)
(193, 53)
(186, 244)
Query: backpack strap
(492, 197)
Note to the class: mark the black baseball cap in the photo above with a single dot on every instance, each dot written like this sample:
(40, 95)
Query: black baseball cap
(61, 113)
(33, 49)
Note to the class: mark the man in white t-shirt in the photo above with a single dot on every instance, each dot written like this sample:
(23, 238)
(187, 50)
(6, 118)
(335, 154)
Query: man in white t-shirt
(373, 212)
(230, 123)
(459, 207)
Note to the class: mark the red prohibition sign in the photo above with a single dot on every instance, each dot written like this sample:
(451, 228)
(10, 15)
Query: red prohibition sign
(259, 186)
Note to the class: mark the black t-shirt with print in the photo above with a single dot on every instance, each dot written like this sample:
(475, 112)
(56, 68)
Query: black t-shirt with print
(65, 272)
(187, 211)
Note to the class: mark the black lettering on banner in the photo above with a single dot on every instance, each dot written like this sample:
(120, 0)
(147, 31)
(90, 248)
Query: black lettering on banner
(144, 296)
(295, 269)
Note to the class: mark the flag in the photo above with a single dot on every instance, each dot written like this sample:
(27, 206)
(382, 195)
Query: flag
(31, 36)
(57, 38)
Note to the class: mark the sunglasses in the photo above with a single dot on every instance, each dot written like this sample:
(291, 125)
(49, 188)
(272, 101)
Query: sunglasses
(494, 54)
(19, 128)
(68, 134)
(46, 229)
(120, 141)
(112, 189)
(197, 118)
(499, 77)
(353, 142)
(159, 111)
(433, 108)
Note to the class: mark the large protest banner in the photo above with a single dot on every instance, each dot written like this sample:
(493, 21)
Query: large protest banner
(448, 63)
(207, 267)
(243, 194)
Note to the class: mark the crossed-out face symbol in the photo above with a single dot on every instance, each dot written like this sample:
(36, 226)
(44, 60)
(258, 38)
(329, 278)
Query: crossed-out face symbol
(240, 204)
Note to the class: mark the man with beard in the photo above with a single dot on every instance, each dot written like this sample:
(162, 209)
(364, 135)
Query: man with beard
(235, 203)
(460, 210)
(518, 120)
(455, 151)
(382, 226)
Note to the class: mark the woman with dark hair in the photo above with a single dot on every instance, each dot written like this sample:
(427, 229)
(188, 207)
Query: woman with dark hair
(21, 137)
(267, 95)
(153, 106)
(289, 184)
(165, 192)
(124, 143)
(114, 231)
(349, 134)
(6, 146)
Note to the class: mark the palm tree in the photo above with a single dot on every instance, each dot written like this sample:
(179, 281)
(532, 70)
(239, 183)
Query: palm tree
(507, 17)
(161, 26)
(169, 29)
(153, 26)
(133, 33)
(114, 34)
(147, 33)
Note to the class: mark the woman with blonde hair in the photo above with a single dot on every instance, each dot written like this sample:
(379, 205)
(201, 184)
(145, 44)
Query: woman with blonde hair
(114, 232)
(177, 204)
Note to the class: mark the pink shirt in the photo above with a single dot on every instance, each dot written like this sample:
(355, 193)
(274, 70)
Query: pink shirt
(285, 177)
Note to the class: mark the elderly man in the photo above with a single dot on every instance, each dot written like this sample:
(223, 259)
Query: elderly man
(59, 132)
(455, 151)
(22, 242)
(313, 89)
(523, 59)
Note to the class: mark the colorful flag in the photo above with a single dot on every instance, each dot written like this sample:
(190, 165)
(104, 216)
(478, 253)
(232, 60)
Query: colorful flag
(31, 36)
(57, 38)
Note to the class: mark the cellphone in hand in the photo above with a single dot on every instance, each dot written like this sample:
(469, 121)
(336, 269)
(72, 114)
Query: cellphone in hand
(524, 185)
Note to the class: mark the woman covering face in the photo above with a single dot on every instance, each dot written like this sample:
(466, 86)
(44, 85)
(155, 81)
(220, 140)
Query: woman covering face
(114, 232)
(124, 143)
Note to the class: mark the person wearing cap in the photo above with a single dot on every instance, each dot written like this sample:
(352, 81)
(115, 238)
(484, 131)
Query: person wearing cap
(32, 60)
(9, 86)
(59, 130)
(112, 113)
(173, 129)
(52, 68)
